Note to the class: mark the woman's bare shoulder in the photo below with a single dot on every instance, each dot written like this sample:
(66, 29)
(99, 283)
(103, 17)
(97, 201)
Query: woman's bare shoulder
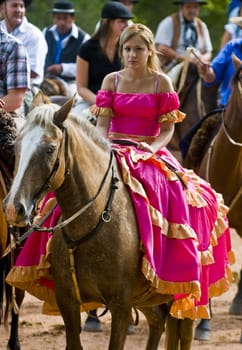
(109, 81)
(164, 83)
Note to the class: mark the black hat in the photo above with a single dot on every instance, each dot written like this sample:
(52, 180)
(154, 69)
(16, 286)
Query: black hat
(26, 2)
(63, 7)
(113, 10)
(200, 2)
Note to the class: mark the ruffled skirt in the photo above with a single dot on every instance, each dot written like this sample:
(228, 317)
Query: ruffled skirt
(183, 230)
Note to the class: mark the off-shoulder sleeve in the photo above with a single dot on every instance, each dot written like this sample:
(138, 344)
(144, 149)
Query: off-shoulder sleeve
(168, 108)
(104, 104)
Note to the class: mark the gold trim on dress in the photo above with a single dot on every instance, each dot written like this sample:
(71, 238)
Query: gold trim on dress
(172, 117)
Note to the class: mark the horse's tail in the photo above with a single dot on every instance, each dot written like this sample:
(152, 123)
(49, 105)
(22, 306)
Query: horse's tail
(5, 290)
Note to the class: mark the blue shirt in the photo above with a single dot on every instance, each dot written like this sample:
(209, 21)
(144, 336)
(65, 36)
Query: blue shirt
(233, 4)
(224, 69)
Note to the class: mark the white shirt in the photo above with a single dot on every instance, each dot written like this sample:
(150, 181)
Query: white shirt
(35, 44)
(164, 36)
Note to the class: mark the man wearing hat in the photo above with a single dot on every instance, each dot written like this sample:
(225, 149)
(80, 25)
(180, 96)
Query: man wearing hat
(16, 23)
(181, 30)
(63, 39)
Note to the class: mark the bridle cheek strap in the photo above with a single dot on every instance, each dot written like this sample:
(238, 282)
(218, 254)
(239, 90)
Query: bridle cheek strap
(59, 171)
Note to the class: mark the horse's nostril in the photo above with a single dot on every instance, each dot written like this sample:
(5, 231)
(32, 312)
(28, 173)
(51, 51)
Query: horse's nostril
(20, 209)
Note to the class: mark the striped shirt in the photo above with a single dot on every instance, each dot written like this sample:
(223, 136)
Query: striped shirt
(14, 64)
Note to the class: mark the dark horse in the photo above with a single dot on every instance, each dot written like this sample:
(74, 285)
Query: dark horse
(10, 299)
(216, 155)
(69, 157)
(195, 100)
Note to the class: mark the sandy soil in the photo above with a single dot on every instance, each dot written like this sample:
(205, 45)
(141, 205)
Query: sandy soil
(38, 331)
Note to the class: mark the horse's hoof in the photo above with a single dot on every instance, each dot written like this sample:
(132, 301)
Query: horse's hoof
(92, 325)
(130, 329)
(236, 306)
(202, 334)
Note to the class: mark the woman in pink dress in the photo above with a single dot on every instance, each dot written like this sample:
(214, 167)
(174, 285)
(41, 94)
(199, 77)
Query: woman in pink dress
(182, 221)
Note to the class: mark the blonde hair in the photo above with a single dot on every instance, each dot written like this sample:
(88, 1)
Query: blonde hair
(146, 34)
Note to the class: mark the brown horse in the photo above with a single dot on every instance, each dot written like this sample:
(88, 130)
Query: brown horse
(217, 156)
(195, 101)
(104, 245)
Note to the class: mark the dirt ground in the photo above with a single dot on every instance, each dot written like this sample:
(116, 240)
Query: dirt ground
(39, 332)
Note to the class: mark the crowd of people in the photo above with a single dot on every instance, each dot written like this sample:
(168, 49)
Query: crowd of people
(88, 64)
(65, 52)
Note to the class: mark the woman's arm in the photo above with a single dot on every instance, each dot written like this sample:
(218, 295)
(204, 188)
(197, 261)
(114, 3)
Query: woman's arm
(103, 123)
(82, 70)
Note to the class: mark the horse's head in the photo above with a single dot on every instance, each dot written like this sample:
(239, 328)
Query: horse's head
(40, 159)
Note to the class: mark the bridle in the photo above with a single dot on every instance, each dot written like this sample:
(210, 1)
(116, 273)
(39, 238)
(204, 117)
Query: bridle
(105, 215)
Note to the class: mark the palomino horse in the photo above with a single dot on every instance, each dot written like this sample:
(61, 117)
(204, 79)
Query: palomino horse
(10, 298)
(220, 160)
(195, 99)
(104, 245)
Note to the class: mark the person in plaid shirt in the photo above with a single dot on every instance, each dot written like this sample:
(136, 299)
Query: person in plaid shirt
(14, 73)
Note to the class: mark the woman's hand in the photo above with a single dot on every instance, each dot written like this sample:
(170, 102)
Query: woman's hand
(145, 147)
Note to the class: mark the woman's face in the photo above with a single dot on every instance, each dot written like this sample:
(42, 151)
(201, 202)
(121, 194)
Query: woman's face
(118, 25)
(135, 52)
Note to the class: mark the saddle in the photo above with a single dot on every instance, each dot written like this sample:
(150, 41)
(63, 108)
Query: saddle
(199, 137)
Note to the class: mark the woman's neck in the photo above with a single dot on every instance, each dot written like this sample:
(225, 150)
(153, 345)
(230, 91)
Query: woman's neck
(137, 73)
(111, 47)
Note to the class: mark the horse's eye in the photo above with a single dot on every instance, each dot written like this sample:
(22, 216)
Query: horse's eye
(51, 149)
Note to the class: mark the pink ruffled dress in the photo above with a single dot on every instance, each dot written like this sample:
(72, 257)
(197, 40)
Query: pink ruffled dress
(182, 221)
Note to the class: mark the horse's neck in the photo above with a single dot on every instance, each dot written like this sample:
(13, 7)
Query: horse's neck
(233, 118)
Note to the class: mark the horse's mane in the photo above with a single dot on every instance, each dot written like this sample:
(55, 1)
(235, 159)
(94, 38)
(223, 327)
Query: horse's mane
(8, 133)
(43, 115)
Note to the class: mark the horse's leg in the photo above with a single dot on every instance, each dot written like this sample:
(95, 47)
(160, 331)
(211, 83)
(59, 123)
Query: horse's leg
(236, 306)
(172, 333)
(186, 334)
(156, 317)
(179, 333)
(202, 331)
(119, 326)
(13, 342)
(70, 312)
(72, 321)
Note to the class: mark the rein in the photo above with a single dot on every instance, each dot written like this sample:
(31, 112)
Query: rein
(105, 215)
(231, 140)
(210, 151)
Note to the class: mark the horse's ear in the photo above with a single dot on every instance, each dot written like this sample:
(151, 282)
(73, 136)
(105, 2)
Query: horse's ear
(62, 113)
(236, 61)
(39, 99)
